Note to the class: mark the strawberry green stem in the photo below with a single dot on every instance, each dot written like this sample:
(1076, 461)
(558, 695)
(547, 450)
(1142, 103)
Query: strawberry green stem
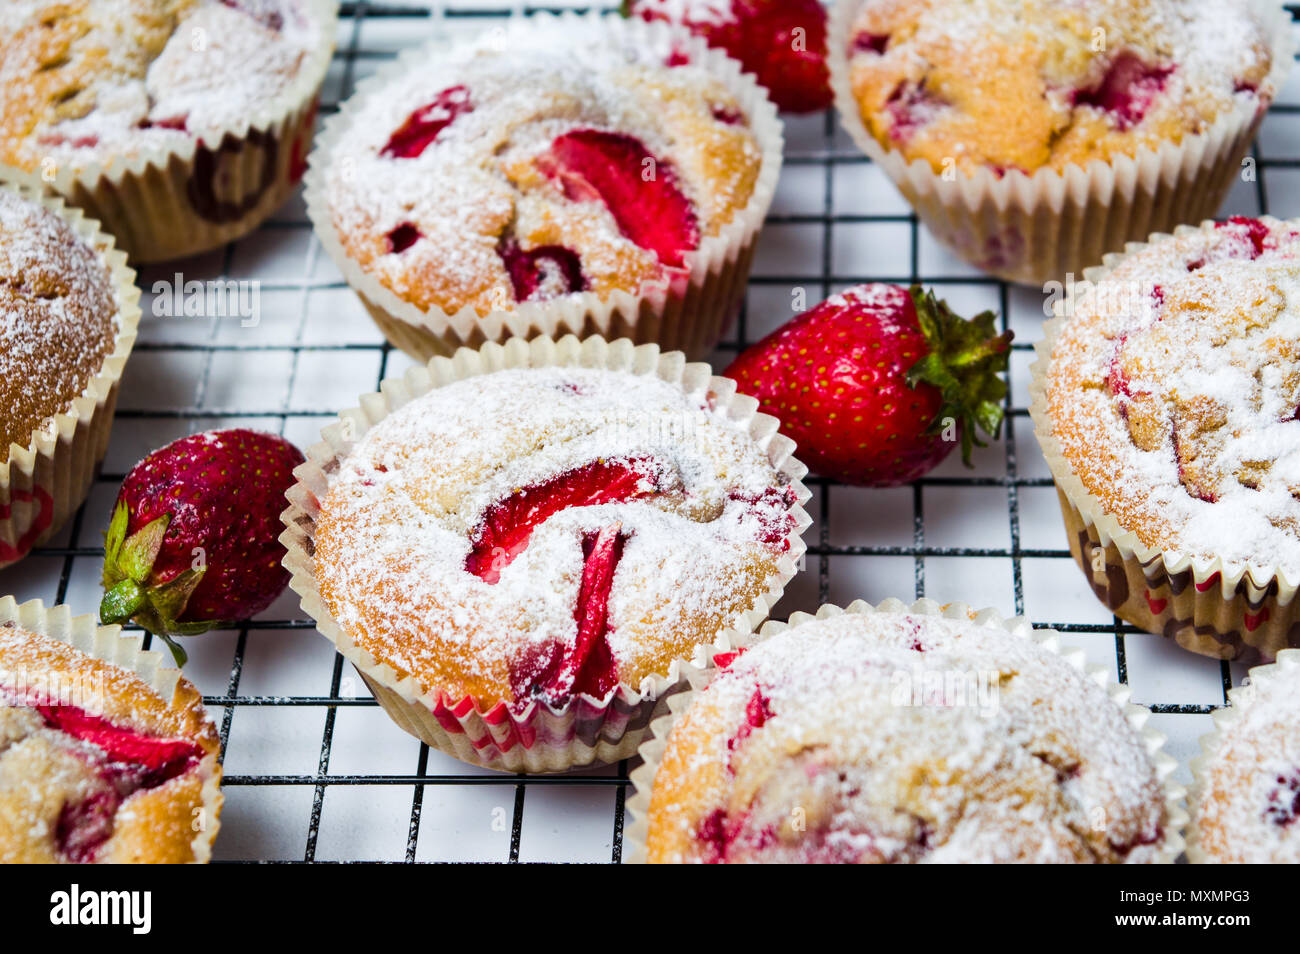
(965, 362)
(180, 655)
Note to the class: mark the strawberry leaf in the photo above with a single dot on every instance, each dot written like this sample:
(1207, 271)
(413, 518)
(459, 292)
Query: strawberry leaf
(170, 598)
(964, 363)
(116, 532)
(141, 549)
(120, 602)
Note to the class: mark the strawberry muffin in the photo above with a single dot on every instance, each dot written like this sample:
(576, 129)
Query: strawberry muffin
(899, 738)
(553, 178)
(67, 322)
(92, 93)
(556, 551)
(99, 763)
(1246, 800)
(1048, 124)
(1024, 84)
(1165, 399)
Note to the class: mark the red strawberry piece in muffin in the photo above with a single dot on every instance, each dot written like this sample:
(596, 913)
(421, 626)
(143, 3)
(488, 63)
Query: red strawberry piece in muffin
(782, 42)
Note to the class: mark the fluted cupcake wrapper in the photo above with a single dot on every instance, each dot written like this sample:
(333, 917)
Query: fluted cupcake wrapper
(110, 644)
(44, 482)
(539, 737)
(1246, 612)
(1038, 228)
(164, 204)
(688, 311)
(1286, 667)
(698, 678)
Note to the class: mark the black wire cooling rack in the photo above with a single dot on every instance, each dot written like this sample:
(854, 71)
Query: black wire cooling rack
(316, 772)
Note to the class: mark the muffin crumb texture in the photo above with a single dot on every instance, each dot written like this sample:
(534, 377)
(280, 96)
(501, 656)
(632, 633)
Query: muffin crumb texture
(896, 738)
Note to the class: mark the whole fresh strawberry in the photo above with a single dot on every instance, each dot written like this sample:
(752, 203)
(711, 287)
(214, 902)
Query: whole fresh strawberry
(193, 541)
(878, 384)
(782, 42)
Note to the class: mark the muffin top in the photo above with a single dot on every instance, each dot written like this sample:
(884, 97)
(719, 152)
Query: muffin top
(1247, 803)
(58, 317)
(89, 80)
(502, 174)
(538, 533)
(899, 738)
(1028, 84)
(1173, 392)
(95, 766)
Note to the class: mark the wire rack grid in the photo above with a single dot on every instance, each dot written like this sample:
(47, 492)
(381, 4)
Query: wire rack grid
(316, 772)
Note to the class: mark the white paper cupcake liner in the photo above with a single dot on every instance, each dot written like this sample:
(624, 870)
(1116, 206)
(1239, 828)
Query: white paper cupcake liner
(540, 737)
(1239, 611)
(686, 312)
(1286, 667)
(43, 483)
(110, 644)
(698, 678)
(1042, 227)
(164, 204)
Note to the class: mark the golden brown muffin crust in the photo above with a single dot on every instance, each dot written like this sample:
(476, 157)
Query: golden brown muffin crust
(58, 317)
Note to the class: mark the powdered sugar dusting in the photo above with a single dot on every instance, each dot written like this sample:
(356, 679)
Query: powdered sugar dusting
(395, 530)
(57, 792)
(1037, 83)
(58, 317)
(118, 77)
(899, 738)
(689, 12)
(481, 179)
(1248, 810)
(1175, 390)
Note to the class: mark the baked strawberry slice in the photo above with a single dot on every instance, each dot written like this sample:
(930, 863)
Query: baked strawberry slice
(151, 761)
(269, 13)
(1283, 805)
(639, 190)
(543, 272)
(402, 237)
(424, 125)
(876, 43)
(911, 106)
(556, 674)
(122, 761)
(1127, 90)
(782, 42)
(508, 524)
(757, 713)
(877, 385)
(194, 538)
(1240, 238)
